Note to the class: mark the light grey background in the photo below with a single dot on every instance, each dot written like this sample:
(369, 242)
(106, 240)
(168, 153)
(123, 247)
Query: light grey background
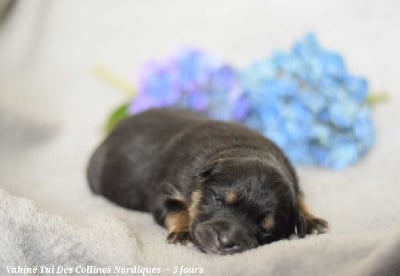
(52, 107)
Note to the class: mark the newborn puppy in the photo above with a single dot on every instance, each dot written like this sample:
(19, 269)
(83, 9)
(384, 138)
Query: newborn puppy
(219, 185)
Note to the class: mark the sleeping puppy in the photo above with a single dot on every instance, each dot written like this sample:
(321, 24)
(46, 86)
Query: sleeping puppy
(218, 185)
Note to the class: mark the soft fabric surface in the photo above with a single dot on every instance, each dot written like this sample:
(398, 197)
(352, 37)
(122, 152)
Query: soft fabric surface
(31, 237)
(52, 109)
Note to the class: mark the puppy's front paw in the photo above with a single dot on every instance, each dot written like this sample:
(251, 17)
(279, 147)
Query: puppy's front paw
(316, 226)
(182, 238)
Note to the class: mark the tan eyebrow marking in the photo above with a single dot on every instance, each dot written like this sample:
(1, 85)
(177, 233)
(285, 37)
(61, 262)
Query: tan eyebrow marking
(231, 197)
(194, 206)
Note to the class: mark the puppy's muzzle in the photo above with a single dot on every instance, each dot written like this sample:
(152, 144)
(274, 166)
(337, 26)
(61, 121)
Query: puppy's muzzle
(223, 237)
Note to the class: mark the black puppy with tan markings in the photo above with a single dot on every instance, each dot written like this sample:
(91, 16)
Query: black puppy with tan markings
(219, 185)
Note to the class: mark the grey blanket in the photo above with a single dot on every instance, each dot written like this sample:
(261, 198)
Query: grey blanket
(31, 238)
(52, 110)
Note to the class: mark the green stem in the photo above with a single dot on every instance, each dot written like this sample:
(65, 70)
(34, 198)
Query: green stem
(112, 79)
(378, 97)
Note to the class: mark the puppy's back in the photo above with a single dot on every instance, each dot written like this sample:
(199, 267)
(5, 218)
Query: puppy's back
(122, 166)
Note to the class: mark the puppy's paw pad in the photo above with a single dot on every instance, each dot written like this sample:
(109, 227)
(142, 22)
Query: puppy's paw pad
(317, 226)
(179, 238)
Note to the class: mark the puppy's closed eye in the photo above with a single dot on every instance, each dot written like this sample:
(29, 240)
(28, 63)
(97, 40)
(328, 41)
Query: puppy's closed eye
(219, 199)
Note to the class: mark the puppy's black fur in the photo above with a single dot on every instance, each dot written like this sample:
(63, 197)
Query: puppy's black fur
(219, 185)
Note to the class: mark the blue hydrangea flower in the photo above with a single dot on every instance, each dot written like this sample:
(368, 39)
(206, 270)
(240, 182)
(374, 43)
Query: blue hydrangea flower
(194, 80)
(310, 105)
(305, 99)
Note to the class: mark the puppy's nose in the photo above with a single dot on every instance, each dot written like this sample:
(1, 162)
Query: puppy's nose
(221, 237)
(227, 243)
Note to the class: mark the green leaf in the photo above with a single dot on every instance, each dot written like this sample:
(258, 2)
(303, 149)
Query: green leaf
(116, 116)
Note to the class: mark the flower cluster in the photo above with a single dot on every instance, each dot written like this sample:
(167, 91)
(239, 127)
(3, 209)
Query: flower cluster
(192, 80)
(310, 105)
(305, 100)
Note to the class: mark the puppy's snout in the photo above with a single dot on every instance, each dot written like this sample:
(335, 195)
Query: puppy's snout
(222, 237)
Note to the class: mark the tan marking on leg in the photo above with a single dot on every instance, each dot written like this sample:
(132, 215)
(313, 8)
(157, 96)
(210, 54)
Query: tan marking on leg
(177, 222)
(178, 228)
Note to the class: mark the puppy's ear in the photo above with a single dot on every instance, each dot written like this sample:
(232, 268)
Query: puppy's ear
(209, 169)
